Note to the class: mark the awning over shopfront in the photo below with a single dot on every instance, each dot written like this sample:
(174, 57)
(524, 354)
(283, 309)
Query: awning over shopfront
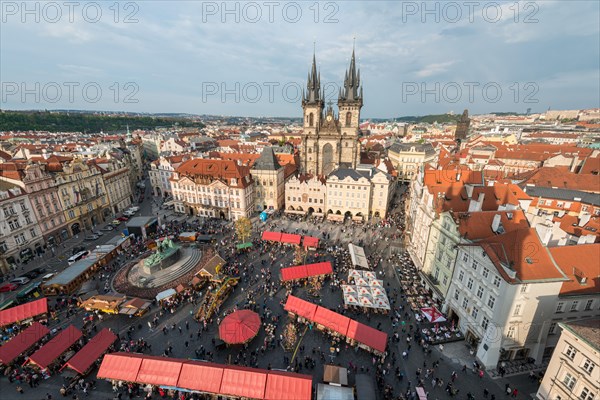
(49, 352)
(24, 311)
(89, 353)
(23, 341)
(432, 314)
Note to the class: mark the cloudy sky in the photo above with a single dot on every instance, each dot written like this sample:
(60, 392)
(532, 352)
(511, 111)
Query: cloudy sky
(252, 58)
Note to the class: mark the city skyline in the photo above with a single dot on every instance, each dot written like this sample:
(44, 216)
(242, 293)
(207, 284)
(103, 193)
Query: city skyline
(186, 59)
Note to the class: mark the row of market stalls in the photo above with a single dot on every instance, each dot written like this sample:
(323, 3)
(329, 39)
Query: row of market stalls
(204, 377)
(364, 336)
(306, 271)
(32, 310)
(309, 242)
(116, 305)
(69, 280)
(365, 291)
(49, 354)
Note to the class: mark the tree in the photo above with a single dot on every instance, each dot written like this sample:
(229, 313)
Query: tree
(290, 336)
(243, 228)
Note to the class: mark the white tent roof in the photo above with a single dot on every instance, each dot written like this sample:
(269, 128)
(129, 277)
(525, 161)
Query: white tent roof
(165, 294)
(357, 254)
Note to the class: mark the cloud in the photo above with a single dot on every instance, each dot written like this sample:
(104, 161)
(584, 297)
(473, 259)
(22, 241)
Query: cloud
(434, 69)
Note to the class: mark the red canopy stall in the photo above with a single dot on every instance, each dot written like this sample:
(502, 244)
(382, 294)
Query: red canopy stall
(288, 386)
(271, 236)
(212, 375)
(299, 307)
(310, 242)
(244, 382)
(120, 366)
(159, 371)
(367, 336)
(239, 327)
(24, 311)
(49, 352)
(306, 271)
(23, 341)
(290, 238)
(332, 320)
(84, 358)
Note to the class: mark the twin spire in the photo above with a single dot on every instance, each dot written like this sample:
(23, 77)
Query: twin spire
(352, 90)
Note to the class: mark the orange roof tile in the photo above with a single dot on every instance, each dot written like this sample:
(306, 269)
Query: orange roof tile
(580, 264)
(478, 225)
(559, 178)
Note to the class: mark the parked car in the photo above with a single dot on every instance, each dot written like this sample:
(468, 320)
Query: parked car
(123, 218)
(91, 237)
(98, 233)
(134, 209)
(108, 228)
(22, 280)
(129, 213)
(49, 276)
(8, 287)
(34, 273)
(78, 249)
(116, 222)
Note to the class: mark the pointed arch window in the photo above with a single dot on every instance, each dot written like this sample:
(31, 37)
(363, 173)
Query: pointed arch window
(348, 118)
(310, 119)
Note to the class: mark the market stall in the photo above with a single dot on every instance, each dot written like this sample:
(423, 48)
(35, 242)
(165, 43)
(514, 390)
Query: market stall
(239, 327)
(48, 354)
(22, 342)
(24, 312)
(84, 359)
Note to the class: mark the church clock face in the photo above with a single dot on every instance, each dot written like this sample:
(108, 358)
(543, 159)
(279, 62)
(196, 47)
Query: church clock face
(329, 118)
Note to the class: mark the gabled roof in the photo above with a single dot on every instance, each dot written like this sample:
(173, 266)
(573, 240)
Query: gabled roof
(522, 251)
(557, 177)
(580, 264)
(563, 194)
(478, 225)
(267, 161)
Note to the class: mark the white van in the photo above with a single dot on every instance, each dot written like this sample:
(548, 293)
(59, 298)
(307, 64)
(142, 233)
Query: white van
(72, 260)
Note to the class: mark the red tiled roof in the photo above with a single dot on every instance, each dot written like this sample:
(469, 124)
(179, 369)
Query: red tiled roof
(478, 225)
(580, 264)
(559, 178)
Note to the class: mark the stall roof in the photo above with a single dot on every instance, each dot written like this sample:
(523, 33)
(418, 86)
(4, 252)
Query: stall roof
(24, 311)
(288, 386)
(322, 268)
(368, 336)
(211, 374)
(310, 241)
(24, 340)
(332, 320)
(357, 254)
(290, 238)
(159, 371)
(89, 353)
(329, 392)
(165, 294)
(241, 246)
(55, 347)
(305, 271)
(120, 366)
(300, 307)
(138, 222)
(72, 272)
(272, 236)
(243, 382)
(335, 374)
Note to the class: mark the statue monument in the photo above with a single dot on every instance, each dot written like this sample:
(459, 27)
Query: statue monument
(165, 255)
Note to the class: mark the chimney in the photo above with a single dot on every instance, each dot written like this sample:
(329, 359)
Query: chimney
(496, 222)
(584, 219)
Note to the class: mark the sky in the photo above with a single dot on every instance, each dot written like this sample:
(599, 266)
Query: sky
(252, 58)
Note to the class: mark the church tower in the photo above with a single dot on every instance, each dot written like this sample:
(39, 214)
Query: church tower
(350, 101)
(312, 104)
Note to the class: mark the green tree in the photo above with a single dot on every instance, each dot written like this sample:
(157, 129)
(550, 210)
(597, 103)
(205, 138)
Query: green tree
(243, 228)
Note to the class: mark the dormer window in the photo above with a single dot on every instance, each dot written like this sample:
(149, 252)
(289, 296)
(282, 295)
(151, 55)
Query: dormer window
(234, 181)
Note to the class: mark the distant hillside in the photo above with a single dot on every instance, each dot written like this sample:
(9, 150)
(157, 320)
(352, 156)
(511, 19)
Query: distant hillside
(82, 122)
(430, 119)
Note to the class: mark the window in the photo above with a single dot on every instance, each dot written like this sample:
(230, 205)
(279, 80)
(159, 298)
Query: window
(28, 220)
(484, 323)
(485, 272)
(524, 288)
(552, 329)
(588, 366)
(511, 332)
(517, 311)
(456, 294)
(465, 258)
(560, 307)
(32, 232)
(461, 275)
(480, 292)
(570, 352)
(465, 303)
(491, 302)
(574, 305)
(470, 284)
(497, 281)
(474, 312)
(586, 394)
(445, 280)
(569, 380)
(588, 305)
(475, 265)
